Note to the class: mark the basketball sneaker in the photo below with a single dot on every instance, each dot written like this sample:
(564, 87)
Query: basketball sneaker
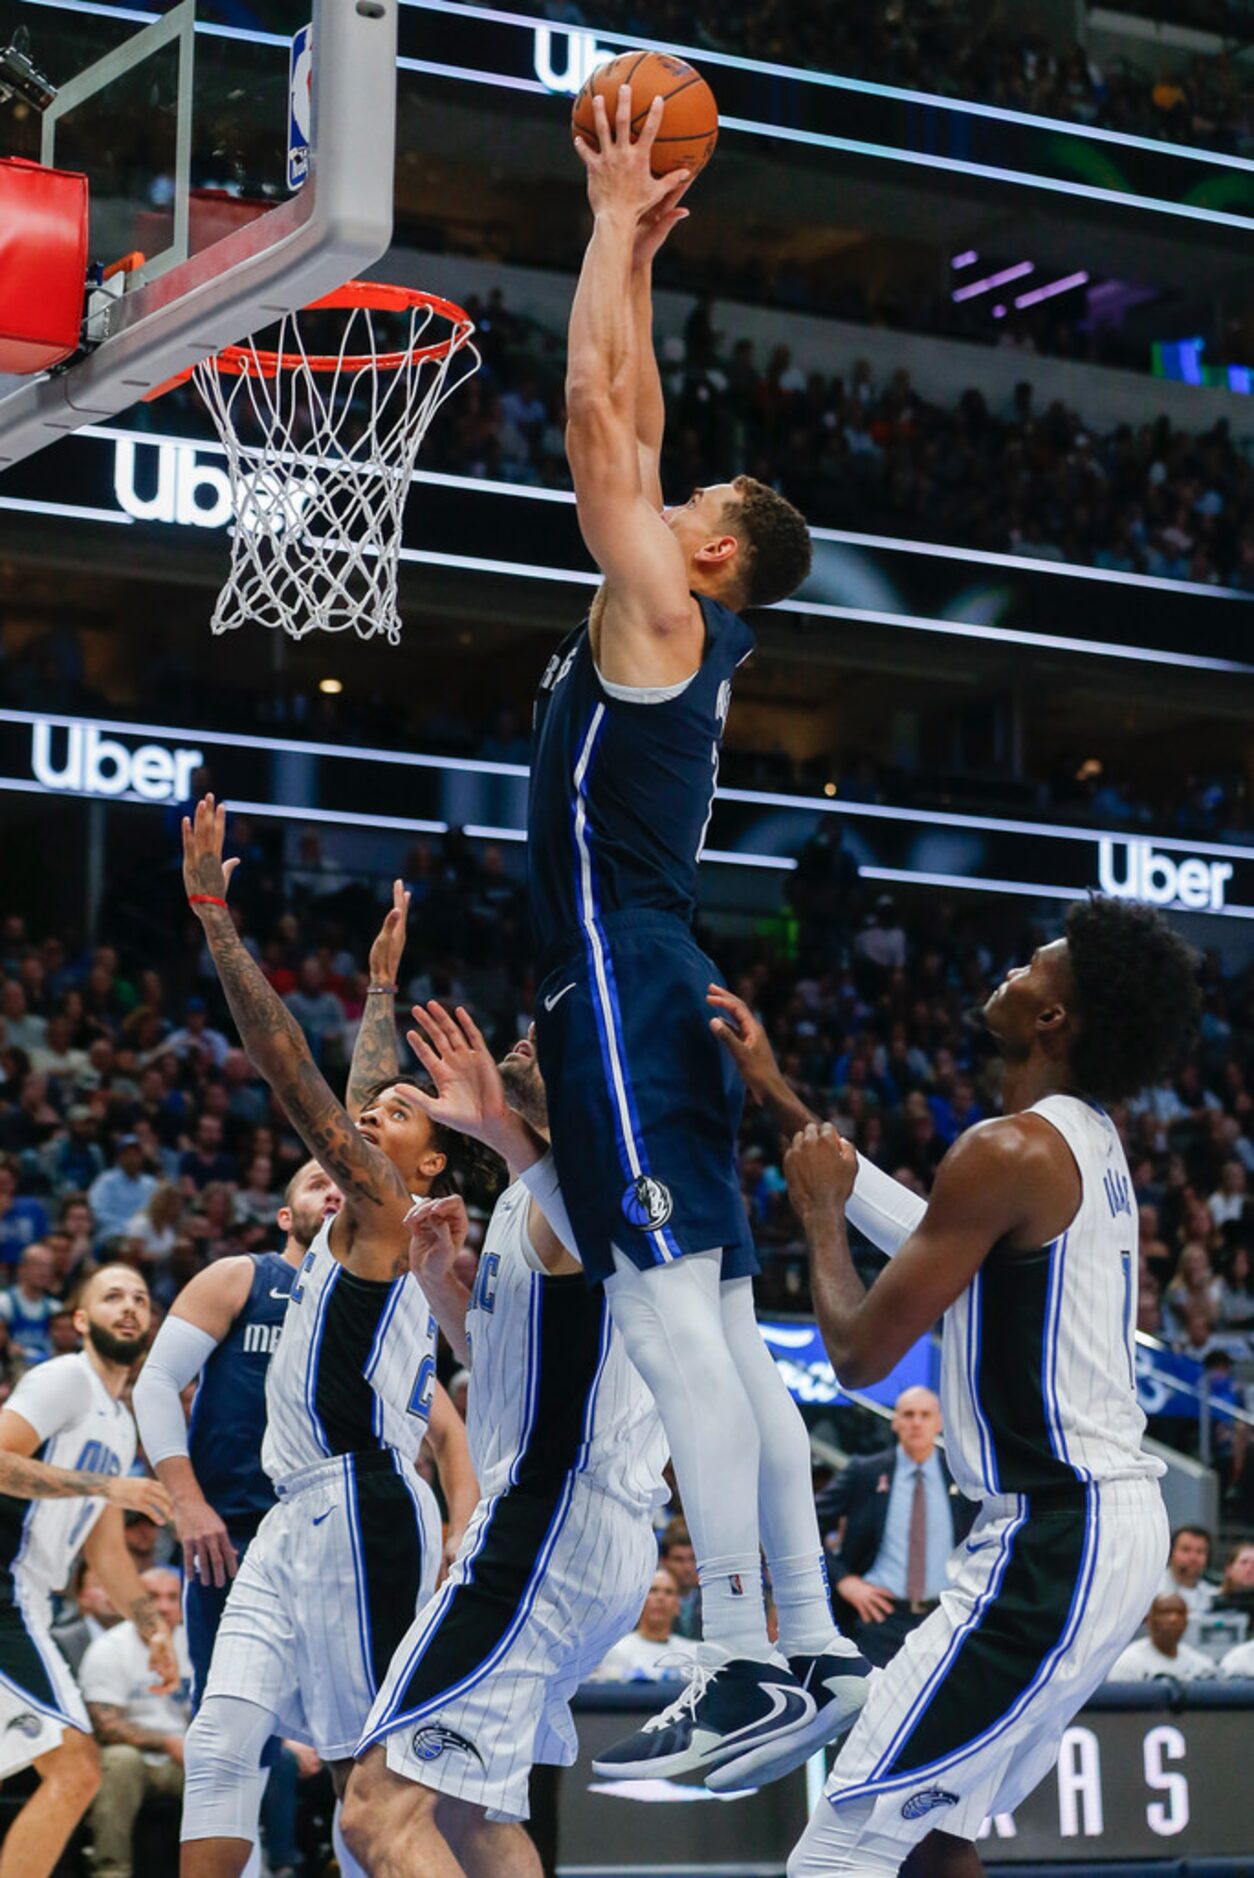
(728, 1707)
(838, 1683)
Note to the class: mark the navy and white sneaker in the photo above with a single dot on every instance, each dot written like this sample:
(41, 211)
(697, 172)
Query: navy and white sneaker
(728, 1706)
(839, 1683)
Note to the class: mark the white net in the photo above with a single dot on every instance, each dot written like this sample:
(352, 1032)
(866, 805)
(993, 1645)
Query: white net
(321, 443)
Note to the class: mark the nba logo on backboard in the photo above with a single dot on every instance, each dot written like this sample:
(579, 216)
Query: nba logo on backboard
(300, 107)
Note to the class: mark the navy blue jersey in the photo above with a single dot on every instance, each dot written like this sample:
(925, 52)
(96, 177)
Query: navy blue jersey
(622, 788)
(229, 1412)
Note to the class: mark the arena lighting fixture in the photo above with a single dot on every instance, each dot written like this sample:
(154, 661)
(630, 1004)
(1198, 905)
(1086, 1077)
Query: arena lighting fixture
(331, 686)
(965, 259)
(829, 789)
(1079, 279)
(990, 281)
(999, 311)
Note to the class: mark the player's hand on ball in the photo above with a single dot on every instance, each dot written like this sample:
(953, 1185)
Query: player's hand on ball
(204, 870)
(657, 223)
(135, 1493)
(389, 946)
(437, 1233)
(619, 172)
(820, 1168)
(745, 1041)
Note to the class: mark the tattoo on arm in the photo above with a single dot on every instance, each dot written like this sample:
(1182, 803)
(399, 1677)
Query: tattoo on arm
(115, 1728)
(276, 1045)
(143, 1613)
(35, 1480)
(376, 1054)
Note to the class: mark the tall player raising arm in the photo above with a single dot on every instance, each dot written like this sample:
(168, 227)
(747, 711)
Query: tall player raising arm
(646, 627)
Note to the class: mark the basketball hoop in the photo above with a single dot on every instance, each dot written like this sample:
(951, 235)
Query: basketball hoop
(320, 450)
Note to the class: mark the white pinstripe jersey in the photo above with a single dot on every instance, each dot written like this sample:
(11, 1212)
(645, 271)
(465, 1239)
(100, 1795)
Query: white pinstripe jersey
(354, 1368)
(82, 1427)
(544, 1352)
(1038, 1369)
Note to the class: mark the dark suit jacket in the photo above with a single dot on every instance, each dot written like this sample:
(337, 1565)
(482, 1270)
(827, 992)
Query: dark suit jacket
(860, 1497)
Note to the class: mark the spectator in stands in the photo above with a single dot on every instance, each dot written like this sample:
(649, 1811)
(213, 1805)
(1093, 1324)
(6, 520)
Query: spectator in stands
(1185, 1574)
(197, 1038)
(1236, 1290)
(1162, 1652)
(73, 1158)
(679, 1556)
(205, 1160)
(1191, 1303)
(900, 1516)
(651, 1652)
(315, 1007)
(29, 1303)
(1236, 1589)
(140, 1732)
(22, 1218)
(1239, 1662)
(23, 1029)
(156, 1228)
(115, 1197)
(1230, 1200)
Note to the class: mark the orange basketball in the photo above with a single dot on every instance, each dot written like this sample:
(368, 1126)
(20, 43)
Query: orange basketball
(689, 129)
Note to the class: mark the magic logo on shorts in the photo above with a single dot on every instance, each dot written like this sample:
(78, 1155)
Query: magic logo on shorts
(430, 1742)
(26, 1724)
(647, 1203)
(926, 1802)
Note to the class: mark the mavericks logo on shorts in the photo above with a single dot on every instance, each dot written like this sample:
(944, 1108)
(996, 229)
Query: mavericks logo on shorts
(430, 1742)
(926, 1802)
(647, 1203)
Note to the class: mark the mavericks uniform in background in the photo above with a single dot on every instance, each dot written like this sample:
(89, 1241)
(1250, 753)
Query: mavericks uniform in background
(557, 1559)
(79, 1426)
(224, 1441)
(644, 1105)
(341, 1563)
(1042, 1426)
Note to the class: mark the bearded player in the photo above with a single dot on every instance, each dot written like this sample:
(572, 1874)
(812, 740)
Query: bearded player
(644, 1109)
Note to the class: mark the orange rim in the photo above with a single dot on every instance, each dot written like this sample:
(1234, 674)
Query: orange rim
(375, 296)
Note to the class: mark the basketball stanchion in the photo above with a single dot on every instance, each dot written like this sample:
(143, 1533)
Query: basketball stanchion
(321, 433)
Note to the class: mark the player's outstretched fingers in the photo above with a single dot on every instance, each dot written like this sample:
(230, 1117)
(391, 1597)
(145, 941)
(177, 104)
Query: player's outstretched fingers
(430, 1061)
(429, 1028)
(450, 1037)
(648, 132)
(622, 115)
(474, 1036)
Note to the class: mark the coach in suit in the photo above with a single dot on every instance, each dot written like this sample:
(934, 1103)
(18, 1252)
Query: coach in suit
(902, 1518)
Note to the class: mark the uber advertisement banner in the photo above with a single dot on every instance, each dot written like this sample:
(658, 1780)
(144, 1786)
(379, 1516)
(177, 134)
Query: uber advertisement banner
(353, 787)
(158, 483)
(1142, 1785)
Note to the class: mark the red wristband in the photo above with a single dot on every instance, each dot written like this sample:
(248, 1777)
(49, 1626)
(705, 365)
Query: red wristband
(204, 899)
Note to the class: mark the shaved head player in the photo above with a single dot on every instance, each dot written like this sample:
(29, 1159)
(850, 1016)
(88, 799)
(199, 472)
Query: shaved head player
(644, 1110)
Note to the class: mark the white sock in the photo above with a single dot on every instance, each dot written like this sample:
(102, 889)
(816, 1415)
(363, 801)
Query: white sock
(789, 1523)
(670, 1319)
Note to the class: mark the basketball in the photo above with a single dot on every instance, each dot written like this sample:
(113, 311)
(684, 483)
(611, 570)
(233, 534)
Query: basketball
(689, 129)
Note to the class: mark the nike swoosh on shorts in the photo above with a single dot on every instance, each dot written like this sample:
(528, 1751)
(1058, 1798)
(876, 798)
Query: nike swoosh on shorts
(551, 1004)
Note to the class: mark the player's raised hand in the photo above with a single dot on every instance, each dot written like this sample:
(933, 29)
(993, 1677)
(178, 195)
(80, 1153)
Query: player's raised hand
(204, 870)
(437, 1233)
(469, 1094)
(389, 945)
(745, 1041)
(135, 1493)
(820, 1169)
(657, 223)
(619, 172)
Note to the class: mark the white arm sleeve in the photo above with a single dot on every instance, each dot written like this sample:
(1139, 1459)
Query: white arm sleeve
(541, 1183)
(178, 1355)
(882, 1208)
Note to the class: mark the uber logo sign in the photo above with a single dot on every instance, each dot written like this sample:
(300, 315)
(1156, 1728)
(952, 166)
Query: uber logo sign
(1161, 879)
(95, 765)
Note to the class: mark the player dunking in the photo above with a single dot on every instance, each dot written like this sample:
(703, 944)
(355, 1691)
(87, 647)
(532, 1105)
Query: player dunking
(68, 1411)
(644, 1109)
(1028, 1247)
(342, 1562)
(558, 1557)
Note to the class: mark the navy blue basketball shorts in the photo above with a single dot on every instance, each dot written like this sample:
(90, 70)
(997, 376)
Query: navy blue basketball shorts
(644, 1103)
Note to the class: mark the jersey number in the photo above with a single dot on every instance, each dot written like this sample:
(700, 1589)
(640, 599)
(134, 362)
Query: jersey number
(423, 1392)
(297, 1294)
(483, 1298)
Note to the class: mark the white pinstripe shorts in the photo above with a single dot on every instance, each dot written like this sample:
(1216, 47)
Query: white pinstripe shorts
(39, 1697)
(480, 1688)
(966, 1719)
(327, 1588)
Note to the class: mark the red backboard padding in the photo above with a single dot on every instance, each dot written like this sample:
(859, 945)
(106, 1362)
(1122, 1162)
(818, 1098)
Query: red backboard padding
(43, 264)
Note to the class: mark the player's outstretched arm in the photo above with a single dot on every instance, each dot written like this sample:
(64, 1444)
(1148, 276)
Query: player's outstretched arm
(651, 232)
(647, 596)
(446, 1432)
(105, 1551)
(374, 1193)
(24, 1478)
(376, 1053)
(1003, 1185)
(199, 1319)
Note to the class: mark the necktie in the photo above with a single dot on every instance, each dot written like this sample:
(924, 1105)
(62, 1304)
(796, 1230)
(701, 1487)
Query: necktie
(916, 1551)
